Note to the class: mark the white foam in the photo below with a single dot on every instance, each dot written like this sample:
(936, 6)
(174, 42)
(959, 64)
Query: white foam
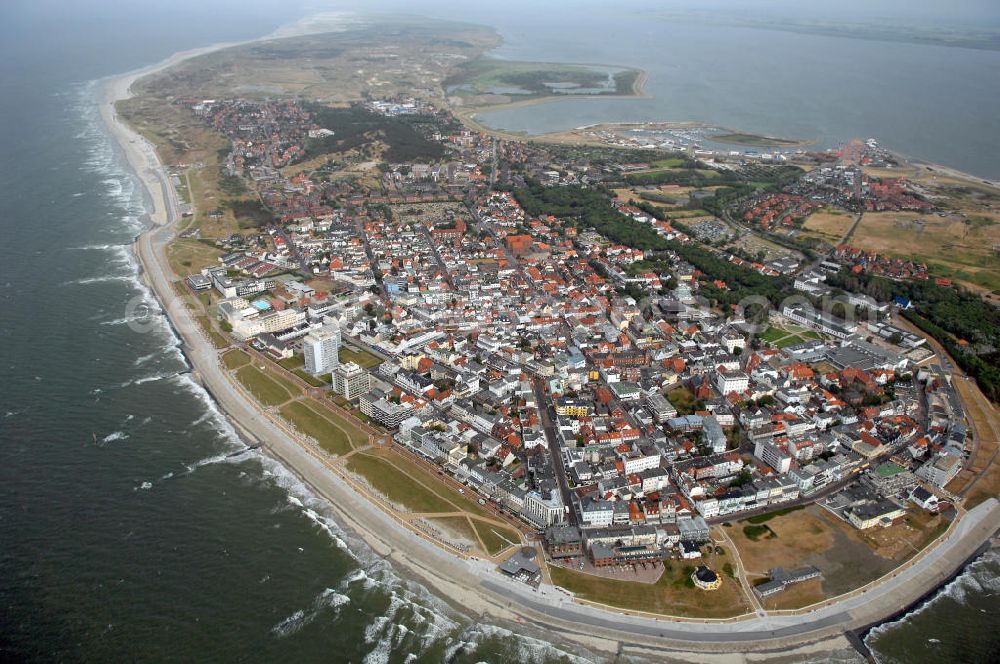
(204, 417)
(97, 247)
(524, 648)
(979, 577)
(223, 428)
(149, 379)
(113, 436)
(144, 358)
(218, 458)
(327, 600)
(125, 321)
(108, 278)
(326, 525)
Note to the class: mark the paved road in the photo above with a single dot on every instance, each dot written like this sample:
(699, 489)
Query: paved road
(544, 405)
(862, 608)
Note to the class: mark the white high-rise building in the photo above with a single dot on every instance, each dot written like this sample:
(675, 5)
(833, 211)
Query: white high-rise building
(321, 349)
(351, 381)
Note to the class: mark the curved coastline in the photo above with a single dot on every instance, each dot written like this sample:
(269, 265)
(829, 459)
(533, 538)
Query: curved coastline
(473, 584)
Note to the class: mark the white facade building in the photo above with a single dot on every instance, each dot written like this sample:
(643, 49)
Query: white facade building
(351, 381)
(321, 349)
(732, 381)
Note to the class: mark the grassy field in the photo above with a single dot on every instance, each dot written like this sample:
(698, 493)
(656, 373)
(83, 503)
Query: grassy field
(518, 80)
(796, 596)
(670, 595)
(813, 536)
(235, 359)
(952, 246)
(457, 527)
(829, 224)
(295, 364)
(495, 538)
(362, 358)
(764, 518)
(332, 437)
(399, 486)
(263, 387)
(754, 140)
(188, 256)
(682, 399)
(787, 336)
(217, 338)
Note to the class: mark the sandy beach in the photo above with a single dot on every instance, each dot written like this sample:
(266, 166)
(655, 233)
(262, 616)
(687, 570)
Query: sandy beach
(472, 585)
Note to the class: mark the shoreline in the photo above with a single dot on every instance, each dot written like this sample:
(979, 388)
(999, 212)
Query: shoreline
(473, 585)
(859, 636)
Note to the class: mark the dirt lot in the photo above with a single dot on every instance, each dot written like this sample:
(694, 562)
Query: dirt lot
(796, 596)
(812, 536)
(671, 595)
(828, 224)
(955, 246)
(987, 424)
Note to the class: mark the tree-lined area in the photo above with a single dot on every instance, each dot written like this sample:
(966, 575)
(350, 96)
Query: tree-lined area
(355, 126)
(966, 325)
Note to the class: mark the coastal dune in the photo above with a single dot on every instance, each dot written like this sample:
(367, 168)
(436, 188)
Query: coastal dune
(474, 585)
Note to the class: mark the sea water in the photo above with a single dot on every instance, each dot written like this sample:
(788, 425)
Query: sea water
(134, 523)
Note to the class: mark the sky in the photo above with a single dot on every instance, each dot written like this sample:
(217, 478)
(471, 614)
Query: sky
(951, 12)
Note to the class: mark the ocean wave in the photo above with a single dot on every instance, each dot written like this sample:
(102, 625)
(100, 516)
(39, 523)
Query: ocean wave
(328, 600)
(97, 247)
(979, 577)
(328, 526)
(310, 505)
(113, 436)
(518, 647)
(144, 358)
(125, 321)
(149, 379)
(223, 427)
(100, 280)
(413, 621)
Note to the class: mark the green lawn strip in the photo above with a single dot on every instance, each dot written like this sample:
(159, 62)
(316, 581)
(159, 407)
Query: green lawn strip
(672, 594)
(764, 518)
(264, 388)
(754, 533)
(330, 437)
(292, 363)
(790, 340)
(295, 364)
(456, 526)
(293, 388)
(467, 502)
(216, 337)
(310, 379)
(495, 538)
(362, 358)
(773, 334)
(398, 486)
(355, 433)
(235, 359)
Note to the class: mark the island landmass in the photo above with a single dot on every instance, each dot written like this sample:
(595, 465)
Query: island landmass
(523, 368)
